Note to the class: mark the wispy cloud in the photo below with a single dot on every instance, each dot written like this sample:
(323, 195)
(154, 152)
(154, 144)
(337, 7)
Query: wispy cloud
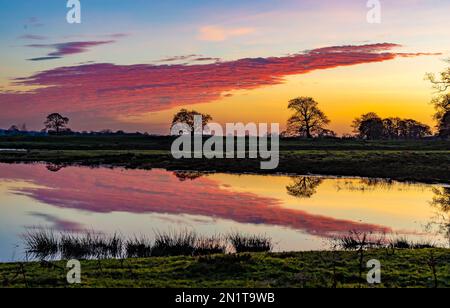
(33, 22)
(63, 49)
(188, 58)
(218, 34)
(32, 37)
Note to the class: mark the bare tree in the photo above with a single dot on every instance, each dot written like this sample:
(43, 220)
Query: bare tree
(441, 83)
(308, 120)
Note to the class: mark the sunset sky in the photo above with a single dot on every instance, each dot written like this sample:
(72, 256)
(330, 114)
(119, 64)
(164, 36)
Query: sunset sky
(131, 65)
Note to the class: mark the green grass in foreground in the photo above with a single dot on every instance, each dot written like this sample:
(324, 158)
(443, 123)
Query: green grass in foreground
(400, 268)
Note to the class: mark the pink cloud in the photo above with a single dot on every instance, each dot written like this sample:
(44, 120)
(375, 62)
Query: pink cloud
(105, 91)
(218, 34)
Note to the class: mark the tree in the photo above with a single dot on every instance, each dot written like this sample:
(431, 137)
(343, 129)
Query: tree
(442, 101)
(369, 126)
(441, 83)
(308, 120)
(56, 122)
(13, 128)
(185, 116)
(444, 125)
(413, 129)
(357, 122)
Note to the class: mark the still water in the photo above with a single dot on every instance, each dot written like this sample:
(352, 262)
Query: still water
(298, 212)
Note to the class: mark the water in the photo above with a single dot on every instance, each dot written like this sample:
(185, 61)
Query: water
(299, 213)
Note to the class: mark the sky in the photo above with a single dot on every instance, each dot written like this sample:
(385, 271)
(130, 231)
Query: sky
(130, 65)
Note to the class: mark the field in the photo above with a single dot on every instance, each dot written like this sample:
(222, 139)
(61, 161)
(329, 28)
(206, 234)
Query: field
(400, 268)
(422, 160)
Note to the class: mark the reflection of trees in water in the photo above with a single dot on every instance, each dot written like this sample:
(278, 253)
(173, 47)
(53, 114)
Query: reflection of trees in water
(365, 184)
(441, 202)
(188, 175)
(304, 186)
(55, 167)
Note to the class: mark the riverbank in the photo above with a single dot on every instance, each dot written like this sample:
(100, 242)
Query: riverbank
(400, 269)
(414, 166)
(425, 161)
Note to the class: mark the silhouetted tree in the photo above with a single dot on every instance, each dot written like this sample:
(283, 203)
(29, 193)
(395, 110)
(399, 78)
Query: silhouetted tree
(444, 125)
(442, 101)
(13, 128)
(357, 122)
(370, 126)
(187, 117)
(56, 122)
(441, 83)
(304, 186)
(308, 120)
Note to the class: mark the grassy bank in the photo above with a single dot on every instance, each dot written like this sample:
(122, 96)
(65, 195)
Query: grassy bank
(424, 161)
(400, 268)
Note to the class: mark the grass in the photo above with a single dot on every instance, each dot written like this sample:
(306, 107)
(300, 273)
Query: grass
(250, 243)
(421, 268)
(43, 244)
(417, 160)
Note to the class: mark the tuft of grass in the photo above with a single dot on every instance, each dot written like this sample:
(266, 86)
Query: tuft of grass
(210, 246)
(41, 244)
(138, 248)
(175, 244)
(404, 243)
(250, 243)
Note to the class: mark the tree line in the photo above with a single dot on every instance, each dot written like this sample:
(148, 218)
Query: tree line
(309, 121)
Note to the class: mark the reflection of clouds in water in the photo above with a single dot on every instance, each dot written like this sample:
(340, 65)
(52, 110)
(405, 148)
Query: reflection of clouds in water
(160, 192)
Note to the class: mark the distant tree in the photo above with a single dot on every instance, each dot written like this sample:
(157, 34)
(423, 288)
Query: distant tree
(357, 122)
(308, 120)
(369, 126)
(412, 129)
(185, 116)
(444, 126)
(56, 122)
(391, 128)
(13, 128)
